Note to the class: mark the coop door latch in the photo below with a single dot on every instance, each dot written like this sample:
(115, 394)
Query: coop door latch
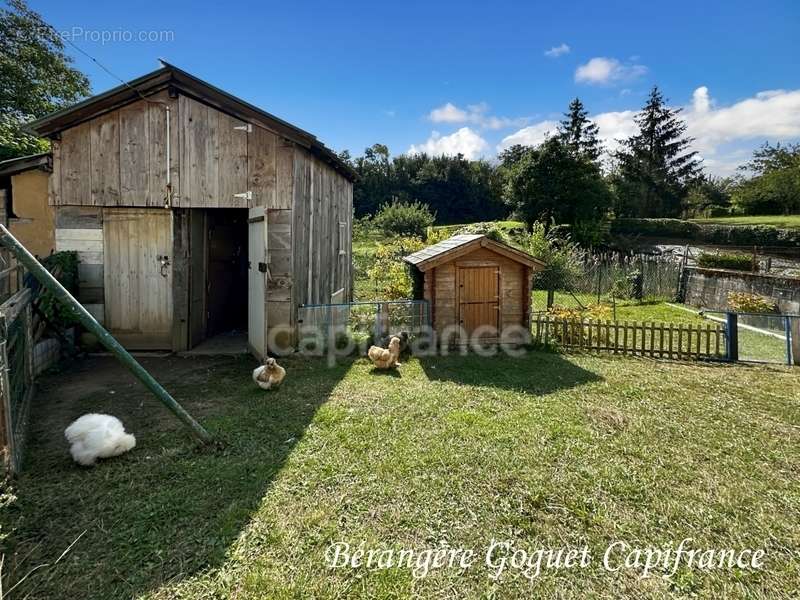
(248, 195)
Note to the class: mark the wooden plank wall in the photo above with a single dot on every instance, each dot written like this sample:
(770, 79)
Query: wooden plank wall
(80, 229)
(214, 156)
(323, 209)
(117, 159)
(440, 289)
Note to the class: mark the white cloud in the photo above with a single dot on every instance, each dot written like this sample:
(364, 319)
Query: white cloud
(476, 114)
(557, 51)
(601, 70)
(771, 115)
(724, 135)
(529, 136)
(464, 141)
(701, 101)
(449, 113)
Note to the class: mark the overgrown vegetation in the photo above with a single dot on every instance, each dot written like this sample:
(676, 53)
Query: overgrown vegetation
(64, 265)
(404, 219)
(725, 260)
(745, 302)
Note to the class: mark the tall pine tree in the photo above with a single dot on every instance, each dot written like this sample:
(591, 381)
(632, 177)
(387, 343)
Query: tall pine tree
(655, 166)
(579, 132)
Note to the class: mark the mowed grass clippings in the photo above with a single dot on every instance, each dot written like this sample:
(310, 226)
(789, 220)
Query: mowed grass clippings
(543, 450)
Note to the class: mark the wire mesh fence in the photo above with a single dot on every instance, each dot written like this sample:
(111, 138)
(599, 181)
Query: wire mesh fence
(607, 277)
(763, 337)
(16, 375)
(337, 325)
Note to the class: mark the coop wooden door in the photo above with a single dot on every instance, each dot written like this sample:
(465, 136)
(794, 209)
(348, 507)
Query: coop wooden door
(479, 299)
(137, 244)
(256, 282)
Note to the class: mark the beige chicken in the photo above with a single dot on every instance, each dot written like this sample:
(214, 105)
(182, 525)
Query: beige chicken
(384, 358)
(269, 375)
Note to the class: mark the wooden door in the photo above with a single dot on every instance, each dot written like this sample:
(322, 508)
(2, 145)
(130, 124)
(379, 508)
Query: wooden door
(479, 299)
(256, 282)
(137, 244)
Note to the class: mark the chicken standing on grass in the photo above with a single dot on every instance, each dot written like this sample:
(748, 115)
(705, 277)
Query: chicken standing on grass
(269, 375)
(384, 358)
(96, 436)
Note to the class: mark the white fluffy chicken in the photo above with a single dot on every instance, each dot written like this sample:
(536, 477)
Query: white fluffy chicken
(96, 436)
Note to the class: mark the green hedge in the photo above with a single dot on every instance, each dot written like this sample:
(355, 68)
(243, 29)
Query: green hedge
(735, 235)
(725, 260)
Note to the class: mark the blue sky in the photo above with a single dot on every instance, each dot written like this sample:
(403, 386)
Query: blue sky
(468, 77)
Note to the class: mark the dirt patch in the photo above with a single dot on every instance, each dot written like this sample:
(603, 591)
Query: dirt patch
(101, 384)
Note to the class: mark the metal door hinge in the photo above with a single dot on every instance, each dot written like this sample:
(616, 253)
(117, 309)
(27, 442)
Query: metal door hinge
(262, 267)
(246, 127)
(248, 195)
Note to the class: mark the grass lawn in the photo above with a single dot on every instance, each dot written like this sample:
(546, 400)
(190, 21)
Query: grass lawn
(781, 221)
(752, 344)
(544, 450)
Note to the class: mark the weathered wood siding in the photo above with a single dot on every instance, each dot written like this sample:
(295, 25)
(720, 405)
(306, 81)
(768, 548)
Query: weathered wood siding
(323, 209)
(119, 158)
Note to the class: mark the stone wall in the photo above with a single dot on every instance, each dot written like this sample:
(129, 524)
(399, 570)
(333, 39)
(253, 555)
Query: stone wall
(708, 288)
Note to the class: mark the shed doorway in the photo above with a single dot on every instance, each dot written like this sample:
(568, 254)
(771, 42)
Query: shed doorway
(479, 299)
(218, 281)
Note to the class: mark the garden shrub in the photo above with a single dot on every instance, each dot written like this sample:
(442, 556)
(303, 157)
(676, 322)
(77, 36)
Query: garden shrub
(65, 264)
(746, 302)
(404, 219)
(577, 333)
(725, 260)
(628, 286)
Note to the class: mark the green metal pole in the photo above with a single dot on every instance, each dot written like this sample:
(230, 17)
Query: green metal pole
(88, 321)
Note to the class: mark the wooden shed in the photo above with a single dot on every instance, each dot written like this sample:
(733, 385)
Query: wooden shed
(23, 202)
(196, 214)
(476, 287)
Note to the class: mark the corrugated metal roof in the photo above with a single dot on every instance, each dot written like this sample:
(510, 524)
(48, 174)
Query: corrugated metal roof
(442, 247)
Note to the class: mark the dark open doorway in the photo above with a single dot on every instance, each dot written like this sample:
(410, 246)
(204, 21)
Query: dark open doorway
(218, 303)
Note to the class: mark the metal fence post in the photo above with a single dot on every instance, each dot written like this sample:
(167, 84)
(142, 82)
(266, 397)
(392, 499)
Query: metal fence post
(732, 338)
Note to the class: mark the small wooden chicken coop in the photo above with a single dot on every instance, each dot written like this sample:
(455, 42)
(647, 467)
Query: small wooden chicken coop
(477, 288)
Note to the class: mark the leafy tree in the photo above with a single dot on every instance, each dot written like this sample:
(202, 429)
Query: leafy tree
(551, 182)
(708, 197)
(456, 190)
(579, 132)
(36, 76)
(774, 187)
(373, 187)
(655, 166)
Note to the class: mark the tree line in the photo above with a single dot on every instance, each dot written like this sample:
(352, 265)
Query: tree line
(654, 173)
(569, 179)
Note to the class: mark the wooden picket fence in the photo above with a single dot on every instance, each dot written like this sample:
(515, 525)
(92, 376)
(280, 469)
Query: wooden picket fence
(681, 341)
